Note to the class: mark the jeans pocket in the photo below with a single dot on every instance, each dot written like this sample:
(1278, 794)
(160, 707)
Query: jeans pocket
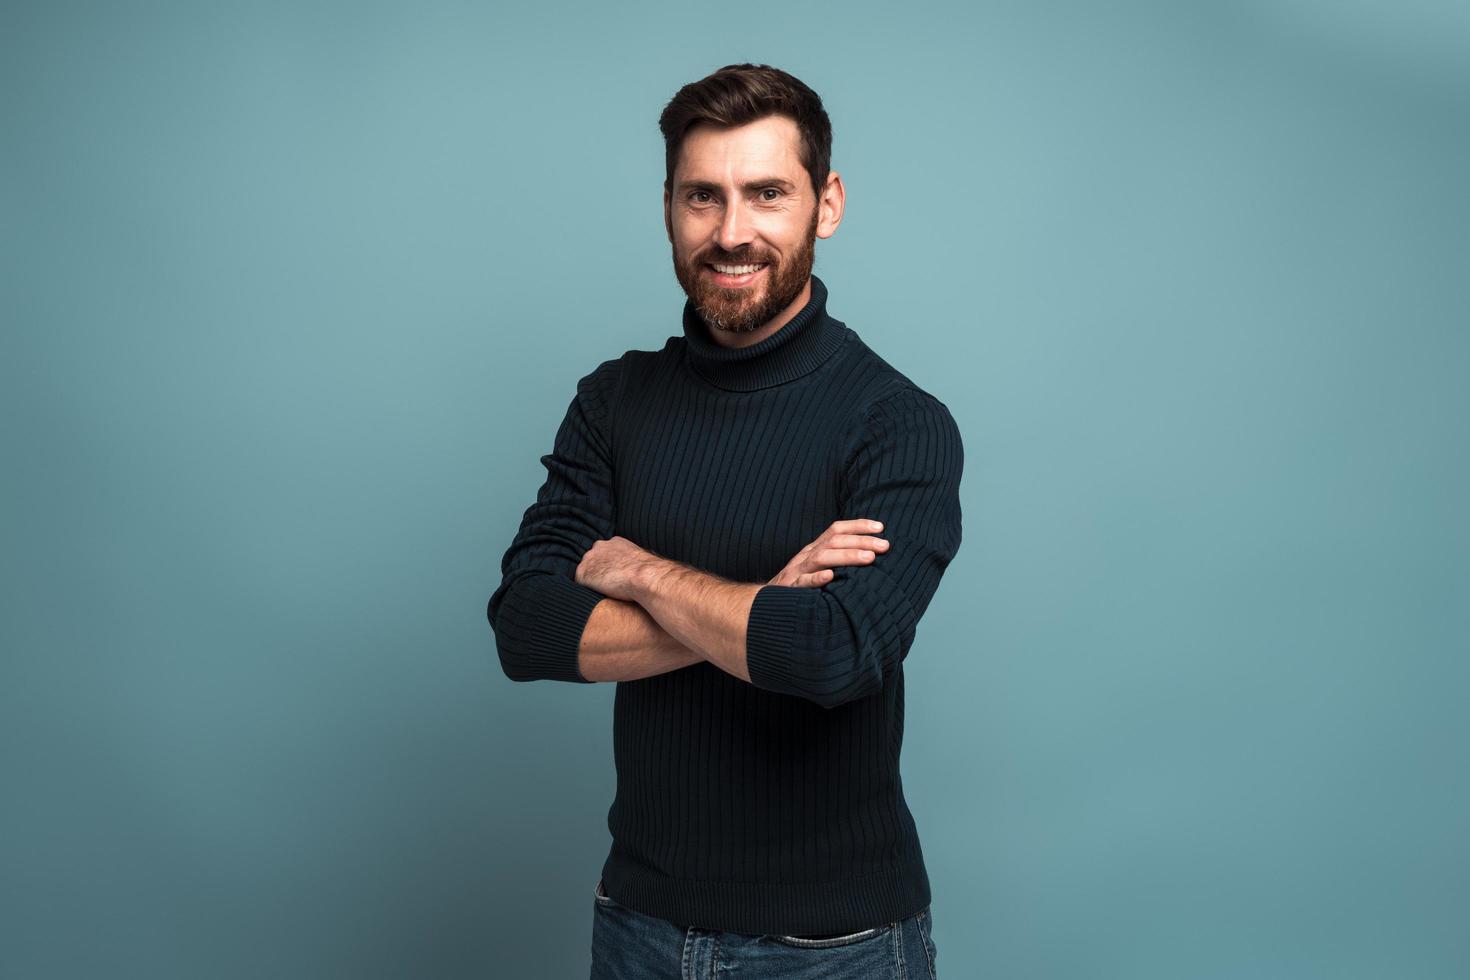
(926, 933)
(826, 942)
(602, 899)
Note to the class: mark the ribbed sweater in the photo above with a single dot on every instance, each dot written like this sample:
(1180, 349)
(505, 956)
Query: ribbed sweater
(774, 806)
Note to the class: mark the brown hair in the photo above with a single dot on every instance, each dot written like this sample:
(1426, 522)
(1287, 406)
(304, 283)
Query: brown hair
(738, 94)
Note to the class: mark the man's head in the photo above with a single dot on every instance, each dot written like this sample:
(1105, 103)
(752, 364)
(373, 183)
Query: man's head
(747, 153)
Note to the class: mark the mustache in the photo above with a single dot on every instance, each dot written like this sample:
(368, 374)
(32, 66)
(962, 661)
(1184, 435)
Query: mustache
(738, 259)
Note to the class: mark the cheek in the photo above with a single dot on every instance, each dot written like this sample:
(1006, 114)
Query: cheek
(688, 238)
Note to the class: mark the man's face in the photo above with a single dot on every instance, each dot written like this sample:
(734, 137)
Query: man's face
(741, 197)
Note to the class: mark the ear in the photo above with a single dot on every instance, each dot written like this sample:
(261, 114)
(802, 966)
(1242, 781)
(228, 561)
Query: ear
(668, 221)
(830, 205)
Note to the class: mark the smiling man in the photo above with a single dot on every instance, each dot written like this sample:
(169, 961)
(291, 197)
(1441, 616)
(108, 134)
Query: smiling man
(742, 529)
(747, 270)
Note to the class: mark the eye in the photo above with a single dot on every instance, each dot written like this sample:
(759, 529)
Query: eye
(694, 194)
(774, 190)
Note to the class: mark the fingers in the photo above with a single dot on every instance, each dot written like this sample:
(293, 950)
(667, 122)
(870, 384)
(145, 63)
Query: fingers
(828, 557)
(867, 542)
(855, 526)
(843, 549)
(848, 549)
(844, 543)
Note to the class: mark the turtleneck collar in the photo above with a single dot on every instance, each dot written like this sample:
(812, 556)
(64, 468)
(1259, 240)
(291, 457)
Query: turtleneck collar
(800, 347)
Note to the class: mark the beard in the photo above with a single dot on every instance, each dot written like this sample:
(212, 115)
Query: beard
(742, 309)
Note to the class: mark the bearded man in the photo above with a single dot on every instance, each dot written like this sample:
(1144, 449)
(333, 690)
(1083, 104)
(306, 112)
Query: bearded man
(742, 529)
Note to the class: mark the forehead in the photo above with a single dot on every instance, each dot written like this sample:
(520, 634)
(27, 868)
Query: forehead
(768, 146)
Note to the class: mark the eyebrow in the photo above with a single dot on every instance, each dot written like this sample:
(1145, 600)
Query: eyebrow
(752, 185)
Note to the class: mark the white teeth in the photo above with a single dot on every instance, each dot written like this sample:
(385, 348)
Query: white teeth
(737, 270)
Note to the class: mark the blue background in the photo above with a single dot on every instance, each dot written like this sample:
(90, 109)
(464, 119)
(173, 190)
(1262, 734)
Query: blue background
(295, 295)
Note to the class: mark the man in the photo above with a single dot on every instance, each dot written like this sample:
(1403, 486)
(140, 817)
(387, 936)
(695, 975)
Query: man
(742, 529)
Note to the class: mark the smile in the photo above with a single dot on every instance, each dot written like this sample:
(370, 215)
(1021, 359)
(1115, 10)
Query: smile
(735, 275)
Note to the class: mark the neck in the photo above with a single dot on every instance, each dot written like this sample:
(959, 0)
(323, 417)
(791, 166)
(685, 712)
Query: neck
(735, 340)
(792, 345)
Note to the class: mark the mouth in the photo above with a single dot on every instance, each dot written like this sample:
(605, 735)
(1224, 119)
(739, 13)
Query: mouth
(735, 275)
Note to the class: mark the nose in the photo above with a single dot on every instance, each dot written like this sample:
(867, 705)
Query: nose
(735, 229)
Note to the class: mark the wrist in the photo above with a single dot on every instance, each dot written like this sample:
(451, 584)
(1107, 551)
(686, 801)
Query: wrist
(648, 574)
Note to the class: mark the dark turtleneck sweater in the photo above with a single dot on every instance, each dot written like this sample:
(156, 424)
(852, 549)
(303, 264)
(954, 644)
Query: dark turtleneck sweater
(774, 806)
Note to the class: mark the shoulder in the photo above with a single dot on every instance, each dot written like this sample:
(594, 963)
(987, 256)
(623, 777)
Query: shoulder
(890, 394)
(604, 384)
(903, 399)
(894, 417)
(908, 421)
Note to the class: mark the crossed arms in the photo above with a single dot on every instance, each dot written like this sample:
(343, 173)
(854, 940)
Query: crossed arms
(579, 603)
(662, 615)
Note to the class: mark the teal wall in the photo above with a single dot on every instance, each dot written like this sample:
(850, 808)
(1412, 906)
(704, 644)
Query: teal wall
(294, 296)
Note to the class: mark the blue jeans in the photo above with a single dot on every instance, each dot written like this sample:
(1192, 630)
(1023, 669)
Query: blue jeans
(628, 945)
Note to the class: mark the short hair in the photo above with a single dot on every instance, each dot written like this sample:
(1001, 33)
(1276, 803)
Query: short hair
(738, 94)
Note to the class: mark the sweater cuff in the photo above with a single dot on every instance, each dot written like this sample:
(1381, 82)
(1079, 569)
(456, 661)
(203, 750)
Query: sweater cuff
(768, 637)
(557, 616)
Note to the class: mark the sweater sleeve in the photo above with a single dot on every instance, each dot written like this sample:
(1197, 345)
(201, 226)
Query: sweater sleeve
(845, 640)
(539, 610)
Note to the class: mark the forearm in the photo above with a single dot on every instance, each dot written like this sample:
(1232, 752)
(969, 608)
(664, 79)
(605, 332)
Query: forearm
(699, 610)
(622, 642)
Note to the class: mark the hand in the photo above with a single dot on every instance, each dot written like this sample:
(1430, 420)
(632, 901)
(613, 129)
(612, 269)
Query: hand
(612, 566)
(841, 544)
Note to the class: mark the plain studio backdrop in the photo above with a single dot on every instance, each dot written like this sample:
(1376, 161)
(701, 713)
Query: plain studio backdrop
(295, 294)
